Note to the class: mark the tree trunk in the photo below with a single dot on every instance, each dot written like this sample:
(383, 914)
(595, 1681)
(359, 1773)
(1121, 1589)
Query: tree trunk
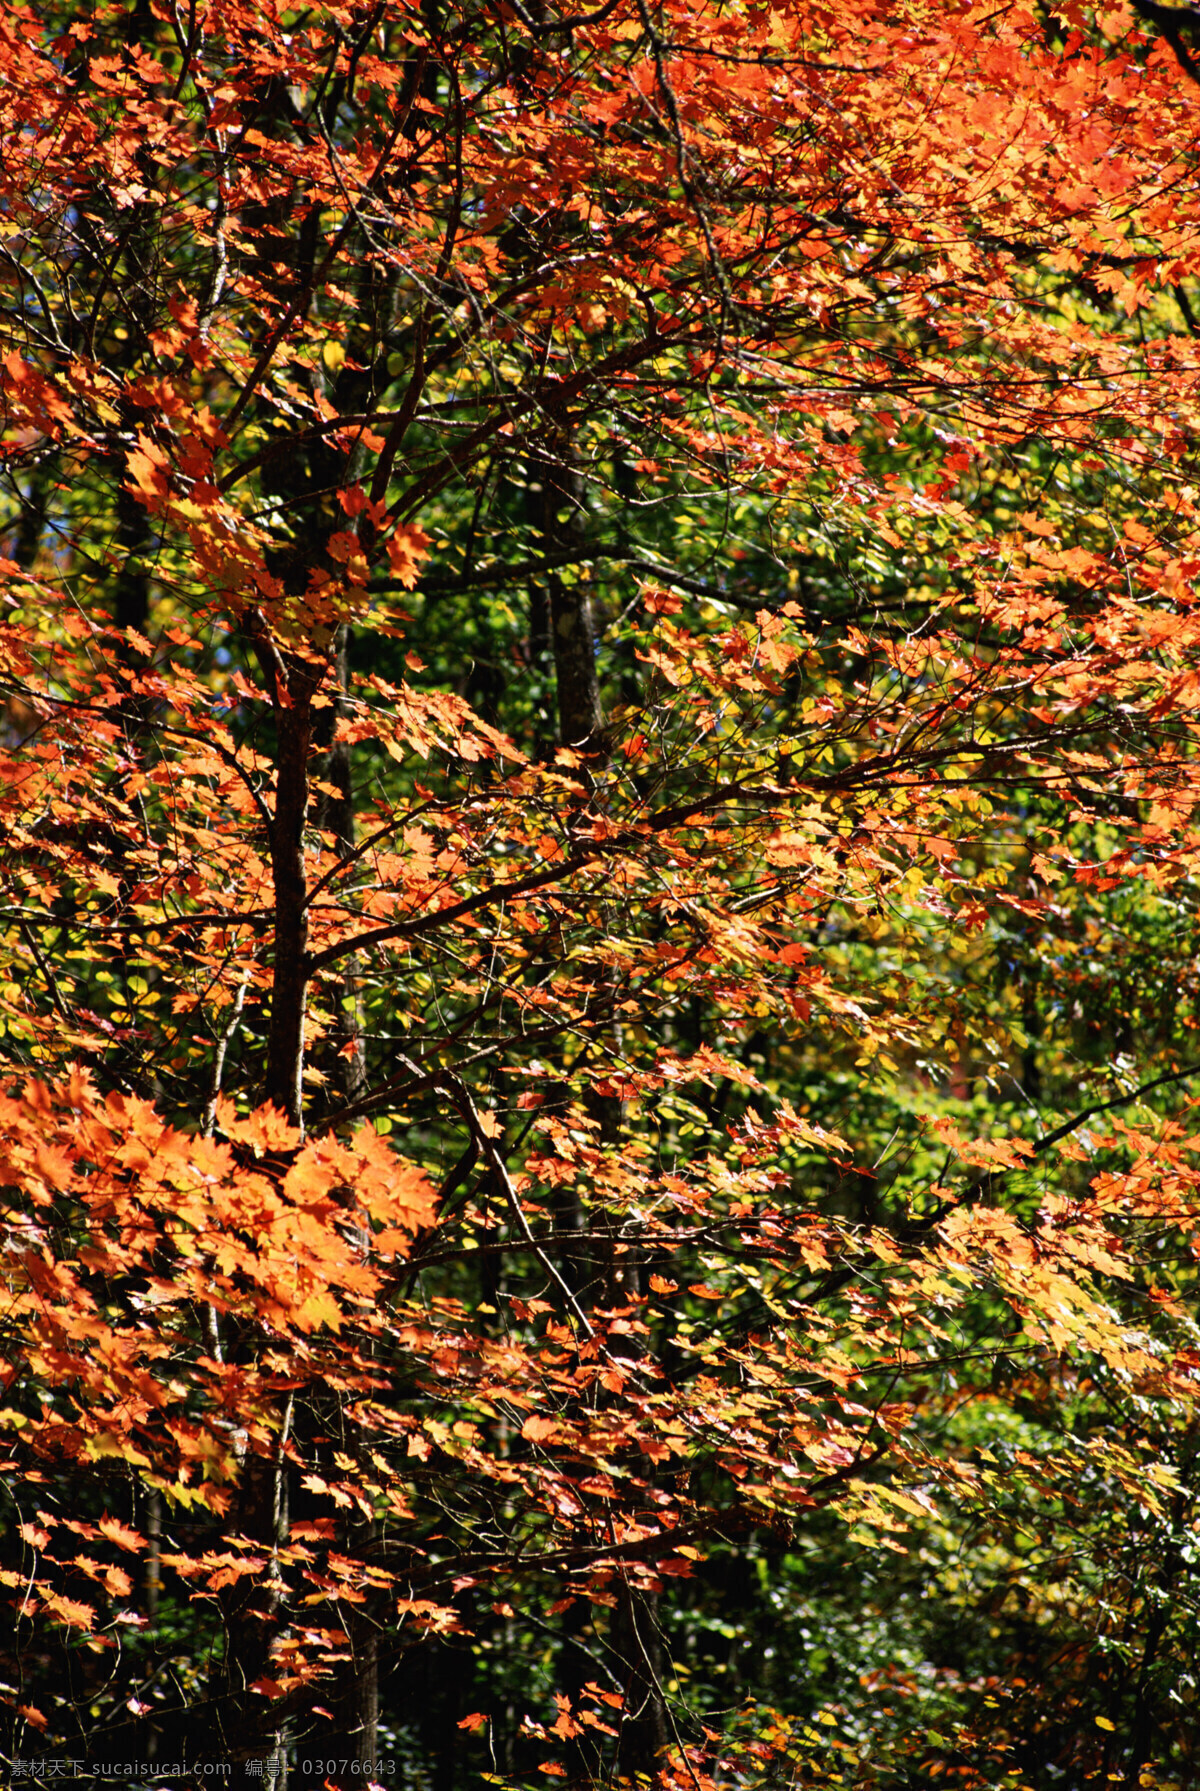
(635, 1636)
(354, 1700)
(254, 1743)
(556, 492)
(292, 683)
(335, 815)
(637, 1641)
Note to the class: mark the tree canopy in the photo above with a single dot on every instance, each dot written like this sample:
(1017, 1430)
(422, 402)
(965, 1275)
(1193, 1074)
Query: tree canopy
(598, 926)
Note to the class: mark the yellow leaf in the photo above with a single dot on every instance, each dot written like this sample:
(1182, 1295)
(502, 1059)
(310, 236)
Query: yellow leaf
(99, 1448)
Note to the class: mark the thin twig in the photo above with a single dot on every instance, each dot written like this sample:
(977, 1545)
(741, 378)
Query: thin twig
(223, 1044)
(461, 1095)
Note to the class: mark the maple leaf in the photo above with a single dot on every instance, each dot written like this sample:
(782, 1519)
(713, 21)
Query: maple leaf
(407, 547)
(68, 1611)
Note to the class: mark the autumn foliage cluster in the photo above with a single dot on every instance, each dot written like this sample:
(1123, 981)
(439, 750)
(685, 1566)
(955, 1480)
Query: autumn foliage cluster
(598, 926)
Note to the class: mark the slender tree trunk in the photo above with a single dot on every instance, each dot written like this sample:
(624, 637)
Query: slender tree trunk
(254, 1744)
(293, 682)
(558, 510)
(354, 1699)
(635, 1636)
(132, 606)
(637, 1641)
(251, 1611)
(335, 815)
(151, 1588)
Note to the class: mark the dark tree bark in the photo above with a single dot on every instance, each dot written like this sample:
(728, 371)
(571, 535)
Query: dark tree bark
(635, 1637)
(334, 814)
(253, 1741)
(556, 492)
(293, 685)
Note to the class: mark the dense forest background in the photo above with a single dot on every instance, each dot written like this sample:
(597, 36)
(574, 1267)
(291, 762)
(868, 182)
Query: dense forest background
(598, 925)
